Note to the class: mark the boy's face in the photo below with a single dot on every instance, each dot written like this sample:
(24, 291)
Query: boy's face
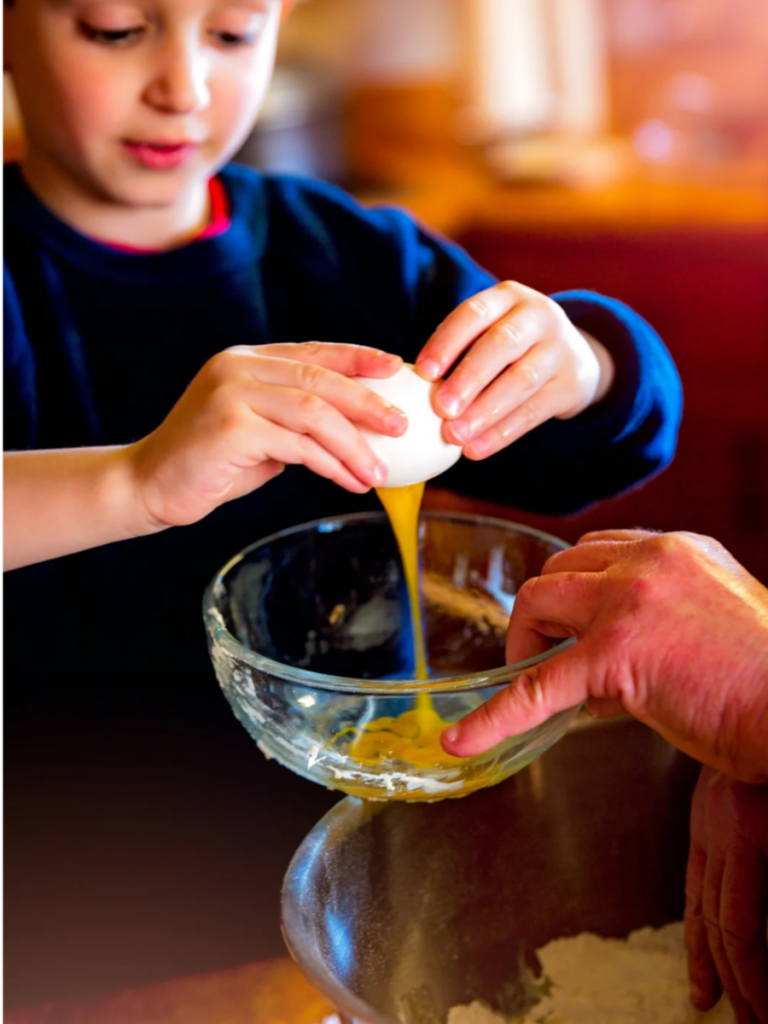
(135, 100)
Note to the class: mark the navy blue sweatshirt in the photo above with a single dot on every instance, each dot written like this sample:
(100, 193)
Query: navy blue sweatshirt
(100, 344)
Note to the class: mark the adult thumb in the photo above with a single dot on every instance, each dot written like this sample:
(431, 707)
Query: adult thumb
(530, 699)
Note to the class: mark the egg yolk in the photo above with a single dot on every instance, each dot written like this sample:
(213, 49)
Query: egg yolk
(414, 736)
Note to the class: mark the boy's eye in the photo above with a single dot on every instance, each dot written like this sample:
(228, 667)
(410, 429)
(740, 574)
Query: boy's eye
(110, 36)
(235, 38)
(238, 28)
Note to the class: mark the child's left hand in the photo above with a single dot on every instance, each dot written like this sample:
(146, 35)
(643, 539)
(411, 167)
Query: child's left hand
(525, 363)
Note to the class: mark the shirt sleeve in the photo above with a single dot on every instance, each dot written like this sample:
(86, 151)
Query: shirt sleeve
(400, 280)
(19, 390)
(563, 465)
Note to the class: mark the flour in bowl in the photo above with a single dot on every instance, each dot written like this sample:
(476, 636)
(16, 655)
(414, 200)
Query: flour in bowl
(642, 979)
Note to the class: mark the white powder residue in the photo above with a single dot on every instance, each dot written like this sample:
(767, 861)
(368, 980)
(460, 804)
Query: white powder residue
(639, 980)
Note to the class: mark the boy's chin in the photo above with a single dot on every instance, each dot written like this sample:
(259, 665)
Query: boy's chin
(156, 189)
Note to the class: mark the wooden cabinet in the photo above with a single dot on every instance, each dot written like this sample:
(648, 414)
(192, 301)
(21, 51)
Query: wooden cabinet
(706, 292)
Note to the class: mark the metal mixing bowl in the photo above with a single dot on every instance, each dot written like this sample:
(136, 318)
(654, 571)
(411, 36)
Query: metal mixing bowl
(398, 912)
(310, 635)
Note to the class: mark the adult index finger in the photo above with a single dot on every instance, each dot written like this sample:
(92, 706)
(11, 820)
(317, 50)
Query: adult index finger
(551, 607)
(596, 556)
(540, 692)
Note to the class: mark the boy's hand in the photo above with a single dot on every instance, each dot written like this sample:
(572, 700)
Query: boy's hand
(525, 362)
(250, 411)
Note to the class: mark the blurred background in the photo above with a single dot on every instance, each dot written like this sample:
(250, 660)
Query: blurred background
(617, 145)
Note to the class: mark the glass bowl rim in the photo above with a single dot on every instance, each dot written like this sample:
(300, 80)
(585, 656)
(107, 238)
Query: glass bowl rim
(369, 687)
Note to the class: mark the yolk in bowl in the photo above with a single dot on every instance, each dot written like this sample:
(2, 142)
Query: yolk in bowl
(414, 736)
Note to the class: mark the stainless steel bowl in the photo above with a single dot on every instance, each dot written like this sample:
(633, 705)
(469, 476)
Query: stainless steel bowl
(397, 912)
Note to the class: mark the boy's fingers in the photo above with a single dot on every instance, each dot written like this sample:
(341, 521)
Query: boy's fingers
(354, 400)
(255, 476)
(528, 416)
(466, 323)
(285, 445)
(506, 394)
(506, 342)
(528, 701)
(349, 360)
(304, 413)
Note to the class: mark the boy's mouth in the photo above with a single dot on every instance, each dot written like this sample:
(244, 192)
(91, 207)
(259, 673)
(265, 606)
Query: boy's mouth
(161, 156)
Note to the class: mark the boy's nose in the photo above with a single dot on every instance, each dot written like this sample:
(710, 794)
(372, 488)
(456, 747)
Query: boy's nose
(180, 82)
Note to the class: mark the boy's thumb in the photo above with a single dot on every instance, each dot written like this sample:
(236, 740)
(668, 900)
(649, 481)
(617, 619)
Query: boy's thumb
(528, 701)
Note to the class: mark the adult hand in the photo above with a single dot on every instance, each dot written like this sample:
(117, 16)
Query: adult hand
(726, 913)
(670, 628)
(523, 363)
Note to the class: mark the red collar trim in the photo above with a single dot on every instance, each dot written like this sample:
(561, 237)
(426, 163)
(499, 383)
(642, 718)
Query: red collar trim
(219, 221)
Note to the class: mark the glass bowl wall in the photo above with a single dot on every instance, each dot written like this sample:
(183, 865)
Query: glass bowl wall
(309, 632)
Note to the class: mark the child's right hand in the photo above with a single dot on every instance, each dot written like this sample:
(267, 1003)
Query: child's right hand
(252, 410)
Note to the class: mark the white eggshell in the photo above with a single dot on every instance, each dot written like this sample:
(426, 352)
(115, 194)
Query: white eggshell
(421, 453)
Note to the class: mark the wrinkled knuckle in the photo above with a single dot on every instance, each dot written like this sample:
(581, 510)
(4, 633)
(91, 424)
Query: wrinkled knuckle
(311, 348)
(526, 416)
(526, 594)
(736, 944)
(218, 369)
(528, 377)
(372, 405)
(509, 334)
(478, 307)
(641, 590)
(311, 408)
(310, 376)
(511, 288)
(532, 691)
(307, 447)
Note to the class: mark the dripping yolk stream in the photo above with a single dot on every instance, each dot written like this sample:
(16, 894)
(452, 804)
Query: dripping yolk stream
(414, 736)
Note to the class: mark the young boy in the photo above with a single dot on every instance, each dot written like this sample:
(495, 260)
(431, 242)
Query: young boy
(136, 263)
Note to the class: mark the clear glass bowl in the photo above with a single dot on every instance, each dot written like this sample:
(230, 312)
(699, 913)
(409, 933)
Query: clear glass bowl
(310, 636)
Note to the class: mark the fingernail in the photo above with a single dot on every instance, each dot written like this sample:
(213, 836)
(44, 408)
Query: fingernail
(379, 473)
(478, 449)
(396, 420)
(451, 734)
(450, 404)
(389, 357)
(461, 431)
(428, 368)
